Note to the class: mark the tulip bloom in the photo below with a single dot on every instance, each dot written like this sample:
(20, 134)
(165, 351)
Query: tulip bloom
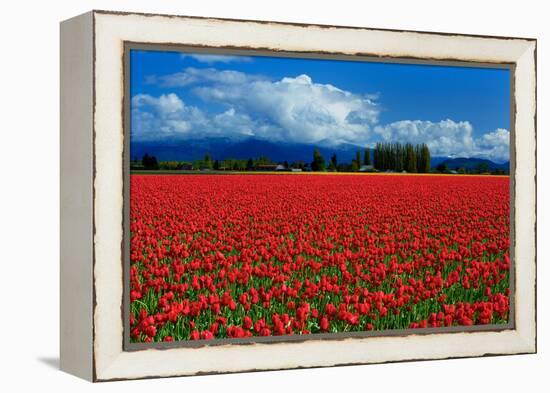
(216, 256)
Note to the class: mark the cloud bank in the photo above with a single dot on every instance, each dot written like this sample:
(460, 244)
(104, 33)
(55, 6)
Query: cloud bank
(448, 138)
(193, 76)
(294, 110)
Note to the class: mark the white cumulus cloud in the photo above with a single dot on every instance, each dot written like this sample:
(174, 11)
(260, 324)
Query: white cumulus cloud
(168, 118)
(495, 145)
(444, 138)
(301, 110)
(449, 138)
(192, 75)
(295, 110)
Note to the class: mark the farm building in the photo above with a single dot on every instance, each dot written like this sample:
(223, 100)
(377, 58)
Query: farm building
(366, 168)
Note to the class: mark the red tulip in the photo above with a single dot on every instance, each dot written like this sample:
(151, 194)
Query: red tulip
(323, 324)
(247, 323)
(294, 250)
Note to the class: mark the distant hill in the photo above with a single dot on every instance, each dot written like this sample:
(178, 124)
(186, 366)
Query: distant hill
(222, 148)
(470, 163)
(435, 161)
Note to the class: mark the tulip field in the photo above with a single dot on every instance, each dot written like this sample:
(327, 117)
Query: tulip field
(240, 255)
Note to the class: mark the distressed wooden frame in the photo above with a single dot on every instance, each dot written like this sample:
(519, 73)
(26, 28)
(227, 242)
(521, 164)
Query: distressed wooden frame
(92, 194)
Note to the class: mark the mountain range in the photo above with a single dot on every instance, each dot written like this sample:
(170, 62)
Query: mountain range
(224, 148)
(470, 163)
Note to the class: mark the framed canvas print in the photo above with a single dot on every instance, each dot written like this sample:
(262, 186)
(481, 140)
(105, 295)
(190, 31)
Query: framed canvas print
(245, 195)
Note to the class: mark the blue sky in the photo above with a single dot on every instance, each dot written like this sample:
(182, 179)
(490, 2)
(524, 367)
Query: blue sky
(457, 111)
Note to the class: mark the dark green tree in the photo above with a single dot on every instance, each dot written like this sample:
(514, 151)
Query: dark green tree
(442, 167)
(149, 162)
(357, 160)
(482, 167)
(398, 157)
(378, 161)
(263, 160)
(207, 161)
(410, 158)
(424, 160)
(366, 160)
(333, 164)
(318, 164)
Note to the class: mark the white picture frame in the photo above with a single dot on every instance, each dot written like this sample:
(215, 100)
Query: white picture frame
(92, 194)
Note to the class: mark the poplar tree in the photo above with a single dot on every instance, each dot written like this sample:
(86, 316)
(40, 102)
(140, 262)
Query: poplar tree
(410, 158)
(318, 164)
(333, 164)
(367, 157)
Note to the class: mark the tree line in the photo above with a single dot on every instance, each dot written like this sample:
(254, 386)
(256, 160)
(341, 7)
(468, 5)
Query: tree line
(385, 156)
(319, 163)
(150, 162)
(392, 156)
(398, 157)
